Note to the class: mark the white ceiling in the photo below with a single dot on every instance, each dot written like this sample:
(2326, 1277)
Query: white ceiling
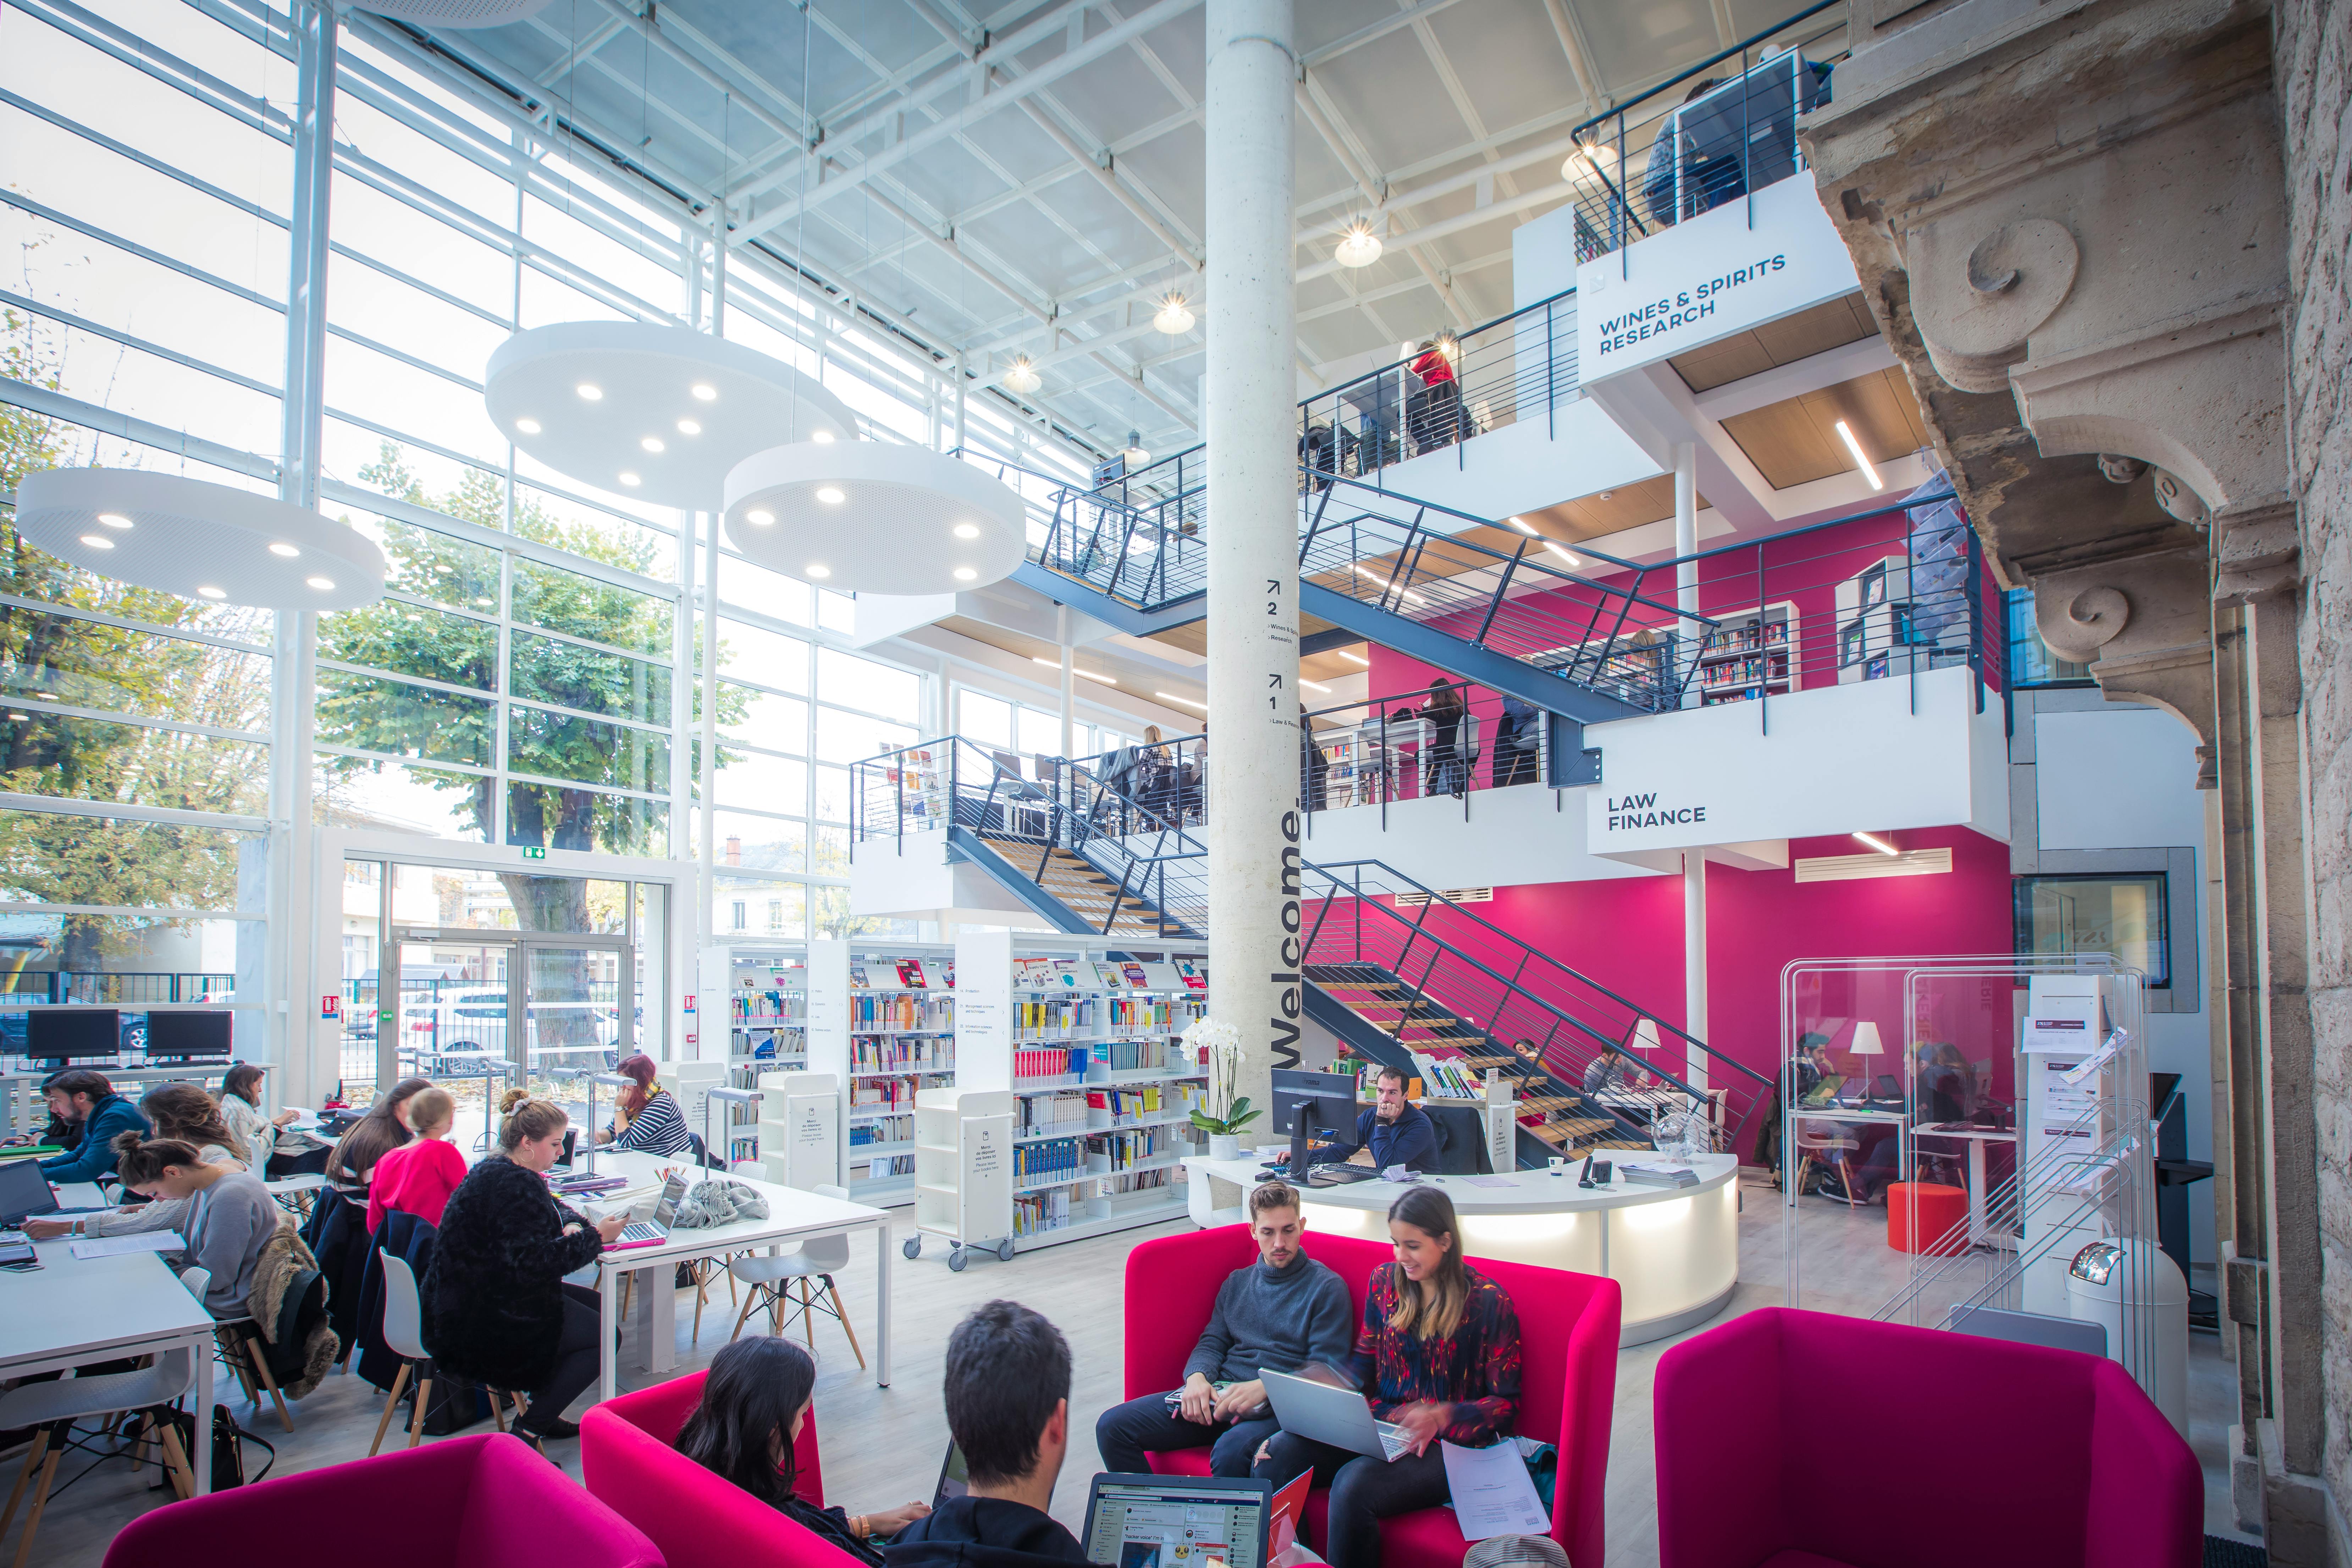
(992, 222)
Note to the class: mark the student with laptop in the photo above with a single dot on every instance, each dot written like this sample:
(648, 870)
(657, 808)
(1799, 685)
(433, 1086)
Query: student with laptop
(1008, 1400)
(1282, 1311)
(496, 1311)
(82, 1099)
(754, 1403)
(1396, 1131)
(1440, 1343)
(178, 1111)
(1611, 1069)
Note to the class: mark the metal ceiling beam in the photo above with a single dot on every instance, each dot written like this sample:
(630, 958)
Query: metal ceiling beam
(1325, 116)
(1569, 30)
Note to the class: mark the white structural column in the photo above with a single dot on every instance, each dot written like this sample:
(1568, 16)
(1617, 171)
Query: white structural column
(706, 1039)
(1069, 681)
(1694, 861)
(1250, 403)
(295, 878)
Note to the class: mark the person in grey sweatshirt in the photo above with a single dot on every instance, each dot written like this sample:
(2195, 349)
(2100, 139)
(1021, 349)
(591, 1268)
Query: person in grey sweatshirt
(1282, 1311)
(230, 1215)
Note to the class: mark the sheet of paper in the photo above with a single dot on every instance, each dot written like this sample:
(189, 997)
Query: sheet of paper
(2062, 1013)
(1492, 1492)
(117, 1246)
(1490, 1181)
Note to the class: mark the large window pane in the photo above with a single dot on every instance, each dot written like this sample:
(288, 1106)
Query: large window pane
(559, 746)
(753, 908)
(410, 639)
(570, 676)
(853, 736)
(423, 562)
(750, 587)
(52, 858)
(756, 654)
(584, 607)
(88, 758)
(54, 658)
(557, 819)
(2120, 915)
(761, 781)
(754, 843)
(985, 718)
(356, 791)
(762, 719)
(856, 683)
(370, 713)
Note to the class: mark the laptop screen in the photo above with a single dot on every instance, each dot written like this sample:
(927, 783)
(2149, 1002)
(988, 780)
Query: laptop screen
(665, 1210)
(1177, 1521)
(24, 1190)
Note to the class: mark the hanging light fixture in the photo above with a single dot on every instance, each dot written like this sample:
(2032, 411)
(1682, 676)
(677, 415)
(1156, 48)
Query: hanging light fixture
(1135, 455)
(1021, 377)
(872, 518)
(1175, 317)
(198, 539)
(660, 412)
(1590, 158)
(1358, 246)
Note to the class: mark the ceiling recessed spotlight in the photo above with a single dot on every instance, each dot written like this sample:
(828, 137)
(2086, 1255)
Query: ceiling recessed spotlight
(589, 391)
(97, 542)
(823, 437)
(528, 427)
(210, 592)
(1606, 494)
(114, 519)
(831, 495)
(284, 549)
(704, 392)
(631, 481)
(759, 515)
(690, 426)
(817, 571)
(654, 444)
(966, 531)
(965, 574)
(322, 583)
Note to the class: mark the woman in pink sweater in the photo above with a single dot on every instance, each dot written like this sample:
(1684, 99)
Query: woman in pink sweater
(418, 1177)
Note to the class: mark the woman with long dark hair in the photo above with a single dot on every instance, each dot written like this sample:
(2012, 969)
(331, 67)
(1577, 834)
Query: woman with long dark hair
(1439, 1345)
(383, 1128)
(646, 1117)
(754, 1403)
(240, 1105)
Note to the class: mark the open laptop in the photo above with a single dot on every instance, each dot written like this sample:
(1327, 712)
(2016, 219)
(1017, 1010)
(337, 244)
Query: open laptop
(24, 1193)
(1177, 1521)
(650, 1232)
(1824, 1091)
(953, 1480)
(1339, 1416)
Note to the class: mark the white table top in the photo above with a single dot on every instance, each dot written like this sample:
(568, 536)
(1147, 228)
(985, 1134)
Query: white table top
(87, 1306)
(1847, 1113)
(791, 1213)
(1526, 1191)
(1980, 1134)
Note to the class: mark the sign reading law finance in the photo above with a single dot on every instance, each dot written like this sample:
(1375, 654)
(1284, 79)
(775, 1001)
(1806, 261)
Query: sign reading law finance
(1707, 278)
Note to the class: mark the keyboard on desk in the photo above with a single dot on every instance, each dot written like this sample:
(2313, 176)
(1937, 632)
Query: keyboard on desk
(1340, 1174)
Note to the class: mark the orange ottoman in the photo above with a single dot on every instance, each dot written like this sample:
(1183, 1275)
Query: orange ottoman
(1927, 1217)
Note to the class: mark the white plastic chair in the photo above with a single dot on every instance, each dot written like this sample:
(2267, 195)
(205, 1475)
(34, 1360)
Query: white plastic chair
(403, 1331)
(816, 1258)
(54, 1408)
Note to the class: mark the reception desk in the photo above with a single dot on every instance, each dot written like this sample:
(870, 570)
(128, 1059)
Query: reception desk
(1675, 1251)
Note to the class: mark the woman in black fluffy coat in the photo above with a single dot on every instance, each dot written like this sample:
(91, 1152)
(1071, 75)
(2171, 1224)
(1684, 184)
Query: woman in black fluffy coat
(496, 1309)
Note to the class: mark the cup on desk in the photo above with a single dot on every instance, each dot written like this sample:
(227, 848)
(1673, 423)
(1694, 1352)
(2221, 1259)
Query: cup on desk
(1558, 1164)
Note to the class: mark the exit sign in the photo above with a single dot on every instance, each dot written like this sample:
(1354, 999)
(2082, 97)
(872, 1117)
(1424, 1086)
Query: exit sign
(533, 852)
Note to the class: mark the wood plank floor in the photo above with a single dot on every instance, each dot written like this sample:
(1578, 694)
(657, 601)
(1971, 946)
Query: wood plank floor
(883, 1445)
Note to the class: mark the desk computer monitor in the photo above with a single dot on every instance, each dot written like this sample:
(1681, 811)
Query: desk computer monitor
(73, 1034)
(186, 1036)
(1307, 1103)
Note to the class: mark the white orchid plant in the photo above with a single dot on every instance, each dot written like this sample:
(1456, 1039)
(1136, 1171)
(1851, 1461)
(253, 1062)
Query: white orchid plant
(1220, 1048)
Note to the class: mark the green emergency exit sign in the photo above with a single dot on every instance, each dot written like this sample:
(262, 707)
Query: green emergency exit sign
(534, 853)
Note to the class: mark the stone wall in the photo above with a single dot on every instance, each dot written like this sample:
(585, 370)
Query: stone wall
(2313, 81)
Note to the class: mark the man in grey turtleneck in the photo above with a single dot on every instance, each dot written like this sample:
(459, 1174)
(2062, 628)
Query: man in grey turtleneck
(1282, 1311)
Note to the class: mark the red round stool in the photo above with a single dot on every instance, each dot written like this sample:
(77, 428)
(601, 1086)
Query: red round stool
(1927, 1217)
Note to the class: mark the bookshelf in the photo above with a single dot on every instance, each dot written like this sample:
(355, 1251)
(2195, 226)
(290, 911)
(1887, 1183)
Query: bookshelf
(761, 991)
(882, 1021)
(1748, 656)
(1088, 1048)
(1878, 621)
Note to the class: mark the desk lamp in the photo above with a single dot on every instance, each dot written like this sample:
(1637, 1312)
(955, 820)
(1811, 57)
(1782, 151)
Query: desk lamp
(733, 1096)
(614, 1080)
(1866, 1043)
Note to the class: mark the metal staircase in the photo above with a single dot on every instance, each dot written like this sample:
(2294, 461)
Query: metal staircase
(1394, 969)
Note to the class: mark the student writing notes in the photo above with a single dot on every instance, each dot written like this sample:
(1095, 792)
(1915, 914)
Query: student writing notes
(230, 1215)
(1440, 1344)
(1282, 1311)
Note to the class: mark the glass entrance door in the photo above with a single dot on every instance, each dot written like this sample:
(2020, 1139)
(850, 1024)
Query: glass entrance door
(455, 1000)
(579, 1020)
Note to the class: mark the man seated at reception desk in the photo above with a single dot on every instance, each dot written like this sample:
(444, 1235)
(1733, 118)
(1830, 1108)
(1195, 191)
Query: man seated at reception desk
(1396, 1131)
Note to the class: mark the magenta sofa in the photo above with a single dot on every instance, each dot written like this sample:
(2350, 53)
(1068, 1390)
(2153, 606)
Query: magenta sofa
(1567, 1333)
(1792, 1439)
(464, 1502)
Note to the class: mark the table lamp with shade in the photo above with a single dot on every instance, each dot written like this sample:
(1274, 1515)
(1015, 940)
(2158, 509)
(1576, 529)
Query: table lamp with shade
(1865, 1042)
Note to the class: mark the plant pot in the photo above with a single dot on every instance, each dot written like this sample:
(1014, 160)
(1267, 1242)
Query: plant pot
(1224, 1145)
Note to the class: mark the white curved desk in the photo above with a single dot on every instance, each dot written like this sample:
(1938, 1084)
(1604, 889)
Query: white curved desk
(1675, 1252)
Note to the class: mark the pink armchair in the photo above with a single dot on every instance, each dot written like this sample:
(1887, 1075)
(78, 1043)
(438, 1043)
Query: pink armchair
(470, 1502)
(1567, 1327)
(695, 1519)
(1980, 1451)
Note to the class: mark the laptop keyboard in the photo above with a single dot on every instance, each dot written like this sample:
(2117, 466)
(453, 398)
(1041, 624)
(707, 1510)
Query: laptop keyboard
(642, 1230)
(1394, 1443)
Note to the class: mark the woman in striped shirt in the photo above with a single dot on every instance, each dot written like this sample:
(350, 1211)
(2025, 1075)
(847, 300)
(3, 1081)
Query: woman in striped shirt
(647, 1119)
(1439, 1345)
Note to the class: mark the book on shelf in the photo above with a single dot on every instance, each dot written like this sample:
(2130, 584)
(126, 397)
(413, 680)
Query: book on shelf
(857, 980)
(1065, 975)
(1194, 974)
(1055, 1063)
(1034, 1213)
(1133, 974)
(884, 1129)
(1140, 1103)
(1052, 1113)
(1032, 975)
(910, 974)
(1109, 977)
(1049, 1161)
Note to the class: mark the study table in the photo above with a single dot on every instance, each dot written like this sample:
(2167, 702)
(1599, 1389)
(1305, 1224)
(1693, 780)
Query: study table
(1979, 1234)
(793, 1215)
(1673, 1251)
(72, 1311)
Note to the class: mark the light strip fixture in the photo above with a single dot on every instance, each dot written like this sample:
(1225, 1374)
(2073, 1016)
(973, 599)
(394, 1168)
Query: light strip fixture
(1355, 658)
(1878, 844)
(1171, 697)
(1845, 433)
(1057, 664)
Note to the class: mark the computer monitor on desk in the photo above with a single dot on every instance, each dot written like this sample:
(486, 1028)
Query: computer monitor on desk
(73, 1034)
(193, 1036)
(1307, 1103)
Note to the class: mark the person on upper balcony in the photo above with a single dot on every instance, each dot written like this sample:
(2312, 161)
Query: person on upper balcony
(1395, 1131)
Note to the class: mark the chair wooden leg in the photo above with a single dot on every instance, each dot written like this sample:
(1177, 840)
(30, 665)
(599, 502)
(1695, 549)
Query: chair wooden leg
(40, 1501)
(235, 1355)
(744, 1316)
(701, 1294)
(390, 1403)
(835, 1291)
(516, 1400)
(32, 1462)
(416, 1421)
(808, 1321)
(176, 1466)
(498, 1408)
(261, 1370)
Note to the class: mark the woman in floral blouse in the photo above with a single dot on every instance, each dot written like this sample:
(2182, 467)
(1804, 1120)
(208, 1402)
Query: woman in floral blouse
(1439, 1344)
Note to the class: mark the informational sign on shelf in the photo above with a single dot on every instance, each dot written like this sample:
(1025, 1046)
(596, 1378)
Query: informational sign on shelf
(2061, 1014)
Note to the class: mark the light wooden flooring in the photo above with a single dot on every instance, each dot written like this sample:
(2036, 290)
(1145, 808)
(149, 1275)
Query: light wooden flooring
(883, 1445)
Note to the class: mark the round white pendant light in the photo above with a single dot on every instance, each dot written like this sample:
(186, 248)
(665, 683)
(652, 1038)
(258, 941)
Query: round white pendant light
(1358, 246)
(456, 14)
(1174, 316)
(198, 539)
(873, 518)
(1021, 377)
(655, 412)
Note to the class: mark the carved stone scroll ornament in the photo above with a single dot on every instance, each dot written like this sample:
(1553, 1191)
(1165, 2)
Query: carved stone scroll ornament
(2077, 626)
(1977, 296)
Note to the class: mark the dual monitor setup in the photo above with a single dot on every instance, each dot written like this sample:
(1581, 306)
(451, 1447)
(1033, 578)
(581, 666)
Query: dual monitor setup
(57, 1036)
